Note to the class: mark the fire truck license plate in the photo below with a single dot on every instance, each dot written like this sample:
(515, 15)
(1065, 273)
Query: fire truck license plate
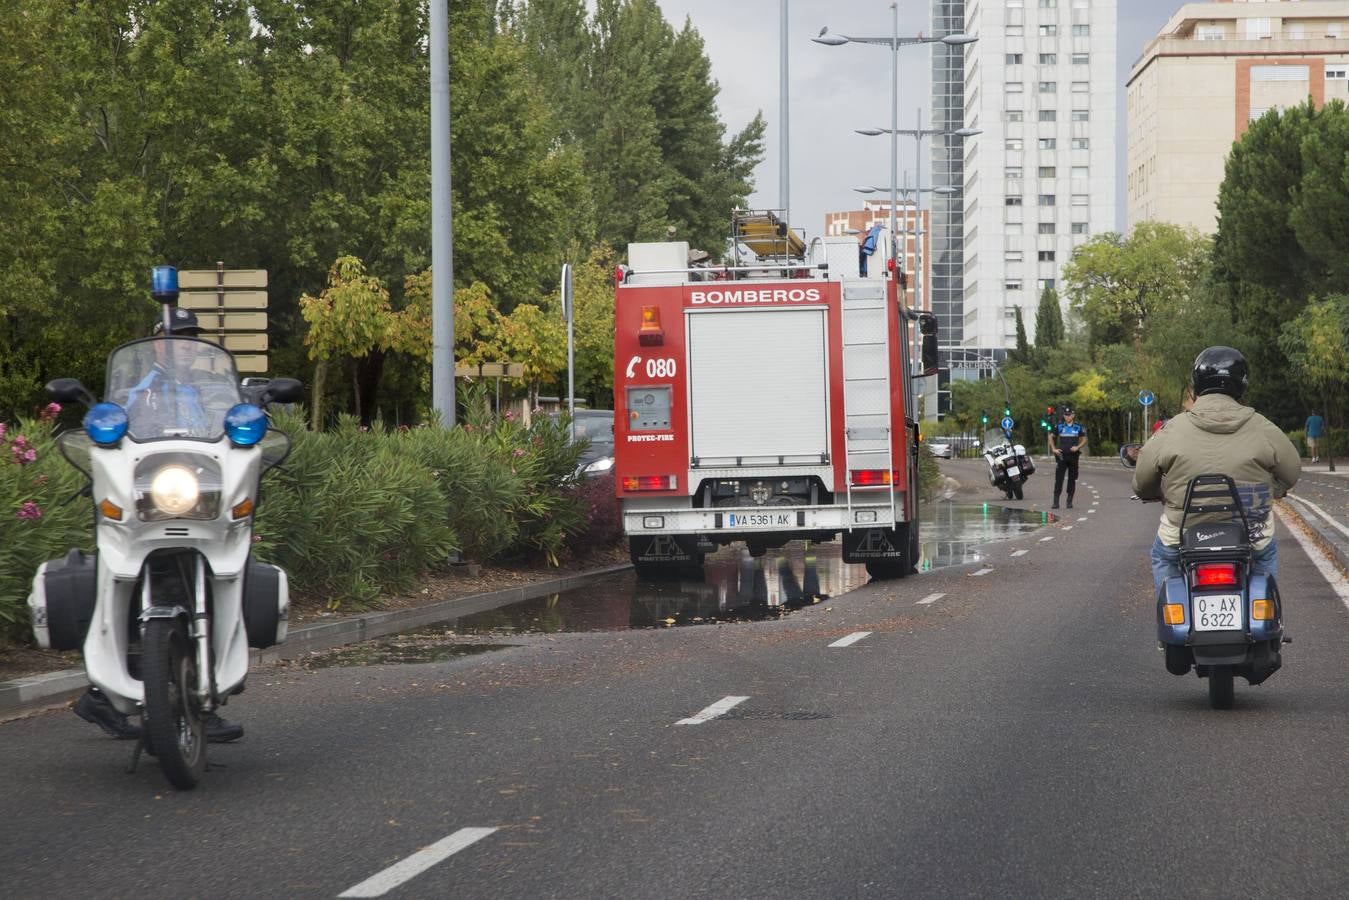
(761, 520)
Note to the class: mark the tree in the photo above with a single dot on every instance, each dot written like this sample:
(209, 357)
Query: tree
(1048, 320)
(1116, 284)
(1022, 353)
(1317, 346)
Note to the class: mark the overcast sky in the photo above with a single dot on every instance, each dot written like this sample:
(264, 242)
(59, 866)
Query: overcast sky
(834, 90)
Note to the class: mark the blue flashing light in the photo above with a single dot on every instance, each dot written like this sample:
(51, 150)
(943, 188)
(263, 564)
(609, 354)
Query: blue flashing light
(245, 424)
(105, 423)
(164, 284)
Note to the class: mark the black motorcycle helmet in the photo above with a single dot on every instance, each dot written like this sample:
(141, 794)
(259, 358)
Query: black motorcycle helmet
(1220, 370)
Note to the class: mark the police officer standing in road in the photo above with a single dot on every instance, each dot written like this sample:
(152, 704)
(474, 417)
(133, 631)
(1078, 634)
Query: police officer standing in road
(1066, 441)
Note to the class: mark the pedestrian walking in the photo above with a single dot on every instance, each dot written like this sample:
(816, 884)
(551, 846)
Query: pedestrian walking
(1315, 426)
(1066, 441)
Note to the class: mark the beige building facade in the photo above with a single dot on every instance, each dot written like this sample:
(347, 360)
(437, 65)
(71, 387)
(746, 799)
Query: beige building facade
(912, 225)
(1212, 70)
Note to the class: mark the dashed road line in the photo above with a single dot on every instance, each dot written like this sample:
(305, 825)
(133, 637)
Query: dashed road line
(1090, 511)
(1020, 552)
(982, 572)
(930, 598)
(1081, 518)
(1067, 528)
(405, 870)
(1043, 539)
(725, 704)
(850, 639)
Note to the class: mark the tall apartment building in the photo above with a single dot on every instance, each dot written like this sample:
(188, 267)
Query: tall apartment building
(1040, 179)
(1212, 69)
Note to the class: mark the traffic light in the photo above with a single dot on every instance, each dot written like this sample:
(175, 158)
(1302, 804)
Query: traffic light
(1007, 410)
(984, 416)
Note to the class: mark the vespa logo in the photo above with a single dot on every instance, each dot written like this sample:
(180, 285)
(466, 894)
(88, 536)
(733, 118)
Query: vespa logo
(746, 296)
(1204, 537)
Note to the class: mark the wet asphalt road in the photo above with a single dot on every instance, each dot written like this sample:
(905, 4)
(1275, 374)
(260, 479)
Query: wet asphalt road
(1006, 729)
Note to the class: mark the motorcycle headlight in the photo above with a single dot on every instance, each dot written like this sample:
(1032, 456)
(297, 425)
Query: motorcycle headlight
(175, 490)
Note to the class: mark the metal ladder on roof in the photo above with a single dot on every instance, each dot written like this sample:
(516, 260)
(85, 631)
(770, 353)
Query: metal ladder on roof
(868, 433)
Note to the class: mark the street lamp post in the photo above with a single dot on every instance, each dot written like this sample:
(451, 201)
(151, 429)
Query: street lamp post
(894, 42)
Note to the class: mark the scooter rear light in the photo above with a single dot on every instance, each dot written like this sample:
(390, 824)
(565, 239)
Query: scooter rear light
(650, 483)
(1174, 614)
(1215, 575)
(1262, 610)
(869, 477)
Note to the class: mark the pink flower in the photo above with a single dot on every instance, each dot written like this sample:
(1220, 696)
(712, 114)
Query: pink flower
(510, 415)
(30, 511)
(22, 451)
(3, 429)
(519, 453)
(50, 412)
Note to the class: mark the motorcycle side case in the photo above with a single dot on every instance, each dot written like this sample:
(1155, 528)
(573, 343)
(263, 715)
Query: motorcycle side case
(61, 603)
(266, 604)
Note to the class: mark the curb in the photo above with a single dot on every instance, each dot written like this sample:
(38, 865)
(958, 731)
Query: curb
(52, 688)
(1334, 544)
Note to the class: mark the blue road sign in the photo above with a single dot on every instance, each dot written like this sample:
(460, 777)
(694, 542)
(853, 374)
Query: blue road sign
(1007, 423)
(1145, 398)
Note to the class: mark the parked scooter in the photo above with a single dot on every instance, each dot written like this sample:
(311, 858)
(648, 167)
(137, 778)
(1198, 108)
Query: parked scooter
(1218, 616)
(168, 605)
(1009, 465)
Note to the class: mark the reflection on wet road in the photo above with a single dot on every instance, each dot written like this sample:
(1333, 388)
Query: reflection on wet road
(735, 586)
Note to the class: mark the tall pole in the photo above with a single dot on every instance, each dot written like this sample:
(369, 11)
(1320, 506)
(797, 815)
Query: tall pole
(784, 139)
(442, 240)
(894, 129)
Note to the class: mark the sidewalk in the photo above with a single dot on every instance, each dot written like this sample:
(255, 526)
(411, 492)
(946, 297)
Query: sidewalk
(1321, 500)
(54, 688)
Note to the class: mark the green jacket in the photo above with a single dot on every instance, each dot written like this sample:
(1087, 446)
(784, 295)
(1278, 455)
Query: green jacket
(1218, 435)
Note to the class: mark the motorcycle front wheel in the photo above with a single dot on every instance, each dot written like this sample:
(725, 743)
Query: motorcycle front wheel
(1221, 694)
(175, 728)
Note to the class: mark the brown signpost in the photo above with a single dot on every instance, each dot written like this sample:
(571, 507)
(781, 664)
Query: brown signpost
(231, 306)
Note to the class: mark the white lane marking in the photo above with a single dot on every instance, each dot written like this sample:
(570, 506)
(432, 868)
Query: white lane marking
(721, 706)
(1325, 515)
(1090, 511)
(981, 572)
(1020, 552)
(850, 639)
(1067, 528)
(1095, 503)
(1329, 571)
(1081, 518)
(1043, 539)
(930, 598)
(380, 884)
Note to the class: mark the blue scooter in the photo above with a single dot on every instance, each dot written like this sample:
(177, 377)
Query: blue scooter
(1217, 616)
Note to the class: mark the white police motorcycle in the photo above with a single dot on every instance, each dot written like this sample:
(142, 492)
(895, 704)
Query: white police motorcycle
(168, 605)
(1009, 465)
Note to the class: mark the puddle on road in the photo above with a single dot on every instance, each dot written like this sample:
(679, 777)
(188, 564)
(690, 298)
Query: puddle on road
(738, 587)
(424, 646)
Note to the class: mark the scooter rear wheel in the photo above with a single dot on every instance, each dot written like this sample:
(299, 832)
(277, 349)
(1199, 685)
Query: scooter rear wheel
(1221, 693)
(174, 725)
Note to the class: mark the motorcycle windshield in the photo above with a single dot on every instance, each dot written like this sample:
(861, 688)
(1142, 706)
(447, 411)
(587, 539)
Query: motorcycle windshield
(173, 388)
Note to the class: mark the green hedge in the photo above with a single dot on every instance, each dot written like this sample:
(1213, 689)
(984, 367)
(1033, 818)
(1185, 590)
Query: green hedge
(1335, 438)
(351, 513)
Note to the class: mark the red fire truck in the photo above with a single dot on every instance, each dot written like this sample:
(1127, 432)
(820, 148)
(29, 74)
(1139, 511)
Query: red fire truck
(766, 402)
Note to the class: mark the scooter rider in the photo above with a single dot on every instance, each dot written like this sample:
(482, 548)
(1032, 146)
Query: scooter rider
(1217, 435)
(1066, 441)
(93, 706)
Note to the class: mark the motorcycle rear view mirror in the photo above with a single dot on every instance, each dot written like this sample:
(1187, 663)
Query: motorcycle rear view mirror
(1128, 455)
(68, 390)
(282, 390)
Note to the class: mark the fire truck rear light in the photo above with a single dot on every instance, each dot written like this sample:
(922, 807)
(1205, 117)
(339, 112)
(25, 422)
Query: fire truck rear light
(650, 483)
(869, 477)
(653, 521)
(651, 334)
(863, 516)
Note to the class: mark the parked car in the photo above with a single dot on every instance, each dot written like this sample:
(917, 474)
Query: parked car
(596, 426)
(940, 448)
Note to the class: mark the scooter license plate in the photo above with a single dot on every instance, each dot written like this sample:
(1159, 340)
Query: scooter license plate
(1013, 472)
(1217, 612)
